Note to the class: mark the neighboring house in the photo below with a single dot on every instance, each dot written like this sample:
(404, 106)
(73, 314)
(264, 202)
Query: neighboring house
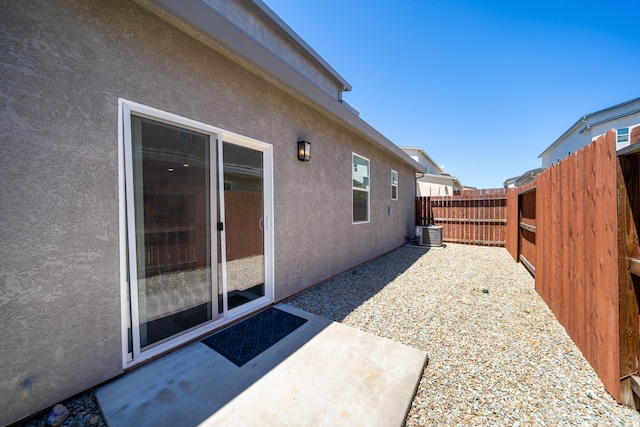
(624, 118)
(522, 180)
(151, 187)
(434, 182)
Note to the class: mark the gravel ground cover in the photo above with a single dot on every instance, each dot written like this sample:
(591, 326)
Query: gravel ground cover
(83, 412)
(497, 355)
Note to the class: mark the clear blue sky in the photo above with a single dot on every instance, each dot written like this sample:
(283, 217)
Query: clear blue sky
(482, 86)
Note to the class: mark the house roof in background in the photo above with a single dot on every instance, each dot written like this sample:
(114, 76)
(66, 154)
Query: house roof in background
(517, 180)
(584, 120)
(441, 173)
(424, 153)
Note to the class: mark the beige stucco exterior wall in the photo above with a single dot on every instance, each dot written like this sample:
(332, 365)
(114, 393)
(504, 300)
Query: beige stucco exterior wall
(64, 65)
(275, 40)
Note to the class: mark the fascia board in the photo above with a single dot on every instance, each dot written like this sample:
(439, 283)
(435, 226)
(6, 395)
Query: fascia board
(610, 119)
(208, 22)
(292, 35)
(615, 107)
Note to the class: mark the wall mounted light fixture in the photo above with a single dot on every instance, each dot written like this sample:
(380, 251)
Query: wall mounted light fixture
(304, 151)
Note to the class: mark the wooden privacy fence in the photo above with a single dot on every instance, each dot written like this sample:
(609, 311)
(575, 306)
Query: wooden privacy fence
(180, 245)
(577, 244)
(476, 217)
(527, 229)
(575, 229)
(243, 224)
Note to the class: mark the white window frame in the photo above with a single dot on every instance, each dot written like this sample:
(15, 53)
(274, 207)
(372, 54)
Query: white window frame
(364, 190)
(394, 184)
(627, 135)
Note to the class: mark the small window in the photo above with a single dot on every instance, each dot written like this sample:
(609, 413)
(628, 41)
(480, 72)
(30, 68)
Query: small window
(394, 185)
(360, 189)
(623, 135)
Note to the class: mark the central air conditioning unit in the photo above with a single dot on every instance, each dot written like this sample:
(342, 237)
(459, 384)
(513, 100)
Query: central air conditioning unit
(429, 235)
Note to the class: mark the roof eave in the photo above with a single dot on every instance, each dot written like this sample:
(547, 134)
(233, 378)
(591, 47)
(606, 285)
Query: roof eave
(210, 24)
(293, 36)
(585, 119)
(420, 150)
(575, 126)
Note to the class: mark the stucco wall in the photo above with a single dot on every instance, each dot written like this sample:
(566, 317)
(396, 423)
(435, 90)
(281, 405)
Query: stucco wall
(433, 186)
(64, 66)
(276, 41)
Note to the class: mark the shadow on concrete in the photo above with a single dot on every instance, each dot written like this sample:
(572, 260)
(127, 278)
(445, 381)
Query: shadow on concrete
(187, 386)
(323, 373)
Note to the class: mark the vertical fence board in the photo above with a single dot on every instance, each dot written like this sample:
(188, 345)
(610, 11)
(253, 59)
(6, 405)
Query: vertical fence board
(569, 311)
(576, 253)
(243, 213)
(589, 241)
(608, 309)
(558, 300)
(578, 263)
(512, 226)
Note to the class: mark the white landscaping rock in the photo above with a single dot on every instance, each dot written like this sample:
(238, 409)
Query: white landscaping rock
(496, 358)
(58, 414)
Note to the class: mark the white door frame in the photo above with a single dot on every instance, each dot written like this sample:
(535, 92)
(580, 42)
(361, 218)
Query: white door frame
(129, 300)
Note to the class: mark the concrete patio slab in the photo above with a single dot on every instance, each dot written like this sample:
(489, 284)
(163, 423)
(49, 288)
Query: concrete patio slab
(322, 374)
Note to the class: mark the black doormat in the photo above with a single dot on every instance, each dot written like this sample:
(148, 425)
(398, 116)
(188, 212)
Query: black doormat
(245, 340)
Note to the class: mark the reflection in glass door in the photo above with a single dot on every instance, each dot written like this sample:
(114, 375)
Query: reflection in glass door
(199, 230)
(244, 223)
(172, 211)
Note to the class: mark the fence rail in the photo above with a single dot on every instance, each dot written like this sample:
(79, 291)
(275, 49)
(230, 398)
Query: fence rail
(476, 217)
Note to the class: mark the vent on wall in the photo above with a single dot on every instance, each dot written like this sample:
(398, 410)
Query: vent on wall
(429, 235)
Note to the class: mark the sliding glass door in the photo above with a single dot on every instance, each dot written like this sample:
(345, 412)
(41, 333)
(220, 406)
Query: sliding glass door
(199, 245)
(244, 229)
(174, 208)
